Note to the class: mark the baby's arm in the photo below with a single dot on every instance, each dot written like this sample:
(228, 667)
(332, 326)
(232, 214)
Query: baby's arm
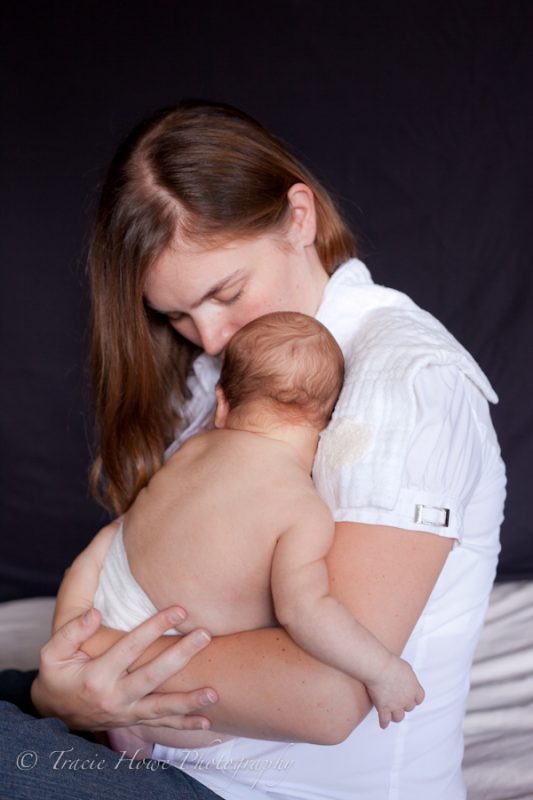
(324, 627)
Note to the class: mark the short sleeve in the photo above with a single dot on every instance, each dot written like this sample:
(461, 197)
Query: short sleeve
(443, 461)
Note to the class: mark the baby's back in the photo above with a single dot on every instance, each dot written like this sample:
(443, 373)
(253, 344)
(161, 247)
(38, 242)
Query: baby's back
(202, 533)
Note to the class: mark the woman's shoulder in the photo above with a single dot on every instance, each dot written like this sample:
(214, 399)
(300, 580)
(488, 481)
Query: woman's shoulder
(385, 336)
(430, 455)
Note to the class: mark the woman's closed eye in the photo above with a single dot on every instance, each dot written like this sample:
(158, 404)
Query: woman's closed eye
(175, 317)
(226, 299)
(229, 300)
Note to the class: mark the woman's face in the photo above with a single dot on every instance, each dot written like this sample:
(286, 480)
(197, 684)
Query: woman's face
(208, 295)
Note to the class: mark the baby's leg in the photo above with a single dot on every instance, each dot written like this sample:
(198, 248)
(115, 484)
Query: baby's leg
(131, 742)
(138, 740)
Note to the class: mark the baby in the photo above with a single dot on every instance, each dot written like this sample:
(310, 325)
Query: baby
(233, 529)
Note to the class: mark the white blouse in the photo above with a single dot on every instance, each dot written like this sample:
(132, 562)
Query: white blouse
(442, 466)
(452, 484)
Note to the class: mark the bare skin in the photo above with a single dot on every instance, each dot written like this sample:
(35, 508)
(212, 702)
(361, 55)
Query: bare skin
(234, 525)
(146, 681)
(267, 686)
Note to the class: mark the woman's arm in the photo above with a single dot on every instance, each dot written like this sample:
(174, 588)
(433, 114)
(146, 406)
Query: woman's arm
(324, 627)
(268, 687)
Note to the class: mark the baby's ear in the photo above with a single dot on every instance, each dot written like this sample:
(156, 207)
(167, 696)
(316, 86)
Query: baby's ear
(222, 411)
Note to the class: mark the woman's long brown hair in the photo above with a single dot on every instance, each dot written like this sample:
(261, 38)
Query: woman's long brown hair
(199, 172)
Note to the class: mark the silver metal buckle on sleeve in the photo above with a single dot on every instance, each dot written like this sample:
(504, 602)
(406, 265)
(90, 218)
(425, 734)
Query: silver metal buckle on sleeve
(432, 515)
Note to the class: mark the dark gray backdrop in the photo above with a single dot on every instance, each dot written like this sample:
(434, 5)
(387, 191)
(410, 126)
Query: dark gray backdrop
(417, 115)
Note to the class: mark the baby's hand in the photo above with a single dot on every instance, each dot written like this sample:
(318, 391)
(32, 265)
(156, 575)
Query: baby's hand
(395, 691)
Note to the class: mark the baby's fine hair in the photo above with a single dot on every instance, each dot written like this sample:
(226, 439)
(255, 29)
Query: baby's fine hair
(289, 360)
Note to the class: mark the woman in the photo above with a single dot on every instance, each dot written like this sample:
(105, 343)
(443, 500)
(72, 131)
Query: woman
(205, 223)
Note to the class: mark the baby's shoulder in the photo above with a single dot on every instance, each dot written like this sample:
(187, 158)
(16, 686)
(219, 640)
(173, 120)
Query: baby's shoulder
(304, 504)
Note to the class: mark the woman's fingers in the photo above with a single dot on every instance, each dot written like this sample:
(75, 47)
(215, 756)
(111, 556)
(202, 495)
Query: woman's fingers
(162, 709)
(181, 722)
(104, 692)
(124, 653)
(112, 694)
(178, 722)
(150, 676)
(66, 643)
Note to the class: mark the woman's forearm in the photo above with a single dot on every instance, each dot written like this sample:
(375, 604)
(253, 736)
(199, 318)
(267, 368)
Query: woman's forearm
(268, 687)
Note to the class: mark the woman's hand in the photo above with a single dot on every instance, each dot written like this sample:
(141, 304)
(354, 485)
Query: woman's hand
(100, 693)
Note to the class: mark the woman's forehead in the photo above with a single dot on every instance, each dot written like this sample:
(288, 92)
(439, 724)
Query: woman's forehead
(183, 273)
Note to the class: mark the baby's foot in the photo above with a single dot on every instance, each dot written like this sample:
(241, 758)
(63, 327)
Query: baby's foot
(130, 743)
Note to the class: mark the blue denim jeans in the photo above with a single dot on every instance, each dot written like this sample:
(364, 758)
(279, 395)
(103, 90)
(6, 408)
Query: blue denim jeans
(42, 758)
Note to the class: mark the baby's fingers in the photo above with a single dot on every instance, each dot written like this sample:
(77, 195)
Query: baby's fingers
(384, 718)
(398, 716)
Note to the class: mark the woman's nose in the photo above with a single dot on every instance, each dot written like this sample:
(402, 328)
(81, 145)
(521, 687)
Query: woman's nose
(213, 338)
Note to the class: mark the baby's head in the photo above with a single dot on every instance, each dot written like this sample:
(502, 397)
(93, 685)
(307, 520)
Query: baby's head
(283, 367)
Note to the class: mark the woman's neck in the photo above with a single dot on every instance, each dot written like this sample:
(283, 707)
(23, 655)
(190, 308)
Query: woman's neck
(319, 278)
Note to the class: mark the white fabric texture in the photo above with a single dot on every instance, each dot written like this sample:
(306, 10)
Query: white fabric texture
(441, 465)
(198, 412)
(386, 340)
(429, 399)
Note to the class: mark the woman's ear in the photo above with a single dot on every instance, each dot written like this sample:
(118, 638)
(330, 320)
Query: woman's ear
(303, 214)
(222, 411)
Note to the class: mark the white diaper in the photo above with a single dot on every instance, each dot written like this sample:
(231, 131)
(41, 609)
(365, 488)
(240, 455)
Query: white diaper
(122, 602)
